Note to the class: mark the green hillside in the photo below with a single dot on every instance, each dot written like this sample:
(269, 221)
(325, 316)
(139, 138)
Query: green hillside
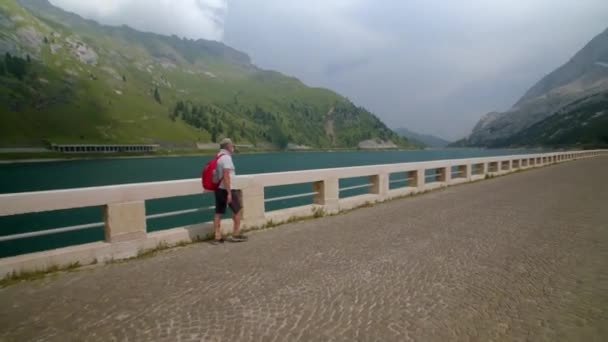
(69, 80)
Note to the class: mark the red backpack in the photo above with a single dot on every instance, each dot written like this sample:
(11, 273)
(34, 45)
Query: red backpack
(207, 174)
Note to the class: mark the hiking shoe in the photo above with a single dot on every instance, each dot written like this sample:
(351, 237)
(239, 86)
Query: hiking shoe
(237, 238)
(217, 242)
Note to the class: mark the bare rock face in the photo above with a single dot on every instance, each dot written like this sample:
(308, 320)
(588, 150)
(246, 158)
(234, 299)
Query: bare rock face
(376, 144)
(161, 80)
(585, 74)
(487, 119)
(55, 48)
(112, 72)
(84, 53)
(30, 37)
(167, 65)
(297, 147)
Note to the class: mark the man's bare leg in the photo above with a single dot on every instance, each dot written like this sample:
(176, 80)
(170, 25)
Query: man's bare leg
(217, 226)
(236, 227)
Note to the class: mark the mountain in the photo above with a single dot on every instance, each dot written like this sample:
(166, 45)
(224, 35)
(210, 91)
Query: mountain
(583, 75)
(583, 122)
(423, 139)
(65, 79)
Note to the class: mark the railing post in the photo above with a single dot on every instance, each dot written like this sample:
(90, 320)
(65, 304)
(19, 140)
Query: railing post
(493, 167)
(420, 179)
(465, 171)
(124, 221)
(254, 209)
(444, 174)
(328, 194)
(516, 164)
(481, 169)
(379, 185)
(412, 179)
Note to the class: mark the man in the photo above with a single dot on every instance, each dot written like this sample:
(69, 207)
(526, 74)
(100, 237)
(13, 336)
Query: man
(225, 196)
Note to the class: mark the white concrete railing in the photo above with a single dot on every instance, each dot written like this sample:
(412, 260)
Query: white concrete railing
(125, 217)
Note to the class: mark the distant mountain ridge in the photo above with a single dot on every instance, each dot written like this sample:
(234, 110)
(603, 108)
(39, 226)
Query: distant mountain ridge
(65, 79)
(585, 74)
(427, 140)
(582, 123)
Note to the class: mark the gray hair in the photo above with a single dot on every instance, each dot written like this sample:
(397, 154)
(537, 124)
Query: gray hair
(225, 142)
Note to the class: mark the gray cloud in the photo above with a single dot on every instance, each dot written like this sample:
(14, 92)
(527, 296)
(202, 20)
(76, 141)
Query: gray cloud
(186, 18)
(431, 65)
(345, 66)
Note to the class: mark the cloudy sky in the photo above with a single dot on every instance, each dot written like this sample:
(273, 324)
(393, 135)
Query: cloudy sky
(434, 66)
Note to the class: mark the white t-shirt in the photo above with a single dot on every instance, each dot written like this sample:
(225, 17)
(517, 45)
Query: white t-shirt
(225, 162)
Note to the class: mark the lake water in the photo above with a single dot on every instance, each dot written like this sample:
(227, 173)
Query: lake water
(22, 177)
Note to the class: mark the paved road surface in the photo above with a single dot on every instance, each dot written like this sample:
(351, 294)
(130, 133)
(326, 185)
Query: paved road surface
(522, 257)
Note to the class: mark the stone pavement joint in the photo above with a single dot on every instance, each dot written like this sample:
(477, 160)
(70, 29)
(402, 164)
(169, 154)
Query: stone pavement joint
(522, 257)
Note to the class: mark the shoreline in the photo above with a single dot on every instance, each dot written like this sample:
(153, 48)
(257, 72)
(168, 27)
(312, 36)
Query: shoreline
(91, 157)
(54, 157)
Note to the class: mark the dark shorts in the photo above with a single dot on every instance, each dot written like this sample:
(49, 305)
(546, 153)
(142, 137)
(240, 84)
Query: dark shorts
(221, 199)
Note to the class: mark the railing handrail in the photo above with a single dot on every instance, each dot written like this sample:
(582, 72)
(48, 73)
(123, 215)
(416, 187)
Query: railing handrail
(40, 201)
(51, 231)
(314, 175)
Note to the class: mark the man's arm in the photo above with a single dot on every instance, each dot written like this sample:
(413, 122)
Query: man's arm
(227, 184)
